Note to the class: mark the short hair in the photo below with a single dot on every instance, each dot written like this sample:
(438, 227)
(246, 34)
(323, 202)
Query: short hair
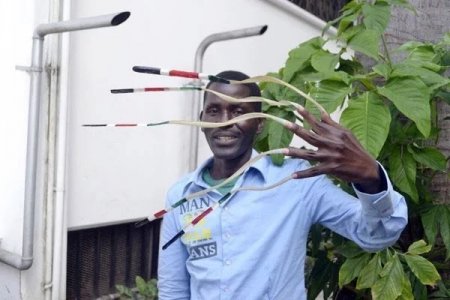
(253, 88)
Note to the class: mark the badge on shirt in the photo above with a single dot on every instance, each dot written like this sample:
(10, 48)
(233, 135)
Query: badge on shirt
(199, 239)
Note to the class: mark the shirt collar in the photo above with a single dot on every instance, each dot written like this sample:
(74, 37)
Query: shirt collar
(260, 167)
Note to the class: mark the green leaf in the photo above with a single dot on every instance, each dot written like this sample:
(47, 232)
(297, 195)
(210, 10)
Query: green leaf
(410, 46)
(444, 225)
(346, 22)
(430, 157)
(366, 42)
(432, 79)
(376, 17)
(141, 285)
(370, 273)
(446, 39)
(349, 33)
(349, 250)
(350, 67)
(419, 247)
(402, 169)
(389, 286)
(290, 95)
(382, 70)
(423, 53)
(275, 134)
(369, 120)
(403, 3)
(299, 58)
(407, 293)
(314, 77)
(441, 293)
(329, 93)
(430, 224)
(411, 97)
(419, 290)
(320, 275)
(443, 95)
(351, 268)
(423, 269)
(270, 90)
(124, 291)
(324, 61)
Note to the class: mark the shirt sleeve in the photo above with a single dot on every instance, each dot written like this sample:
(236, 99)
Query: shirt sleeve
(373, 221)
(173, 277)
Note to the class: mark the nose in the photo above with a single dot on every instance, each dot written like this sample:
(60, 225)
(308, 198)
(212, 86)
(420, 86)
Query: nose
(226, 116)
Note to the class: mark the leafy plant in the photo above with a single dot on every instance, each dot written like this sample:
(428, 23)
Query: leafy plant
(145, 290)
(391, 108)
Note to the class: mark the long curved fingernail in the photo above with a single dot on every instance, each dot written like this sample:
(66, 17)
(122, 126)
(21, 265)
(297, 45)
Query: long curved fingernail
(289, 125)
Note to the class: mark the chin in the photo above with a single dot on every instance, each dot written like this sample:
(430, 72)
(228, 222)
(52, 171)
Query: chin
(228, 154)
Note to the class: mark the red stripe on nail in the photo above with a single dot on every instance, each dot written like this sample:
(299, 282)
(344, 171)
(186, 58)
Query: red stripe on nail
(154, 89)
(160, 213)
(183, 74)
(201, 216)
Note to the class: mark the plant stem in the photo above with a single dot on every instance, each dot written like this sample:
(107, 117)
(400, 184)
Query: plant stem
(387, 51)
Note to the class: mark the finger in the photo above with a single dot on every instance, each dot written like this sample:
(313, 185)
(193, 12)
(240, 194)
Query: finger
(303, 153)
(311, 172)
(326, 118)
(309, 117)
(307, 135)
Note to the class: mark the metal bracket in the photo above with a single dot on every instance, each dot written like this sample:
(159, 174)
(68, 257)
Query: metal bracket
(28, 69)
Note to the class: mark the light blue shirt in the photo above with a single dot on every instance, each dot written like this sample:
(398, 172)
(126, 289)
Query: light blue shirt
(255, 246)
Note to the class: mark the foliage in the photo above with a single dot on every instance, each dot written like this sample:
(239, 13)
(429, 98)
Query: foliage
(145, 290)
(391, 108)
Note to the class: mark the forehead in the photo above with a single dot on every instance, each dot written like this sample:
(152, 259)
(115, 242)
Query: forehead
(234, 90)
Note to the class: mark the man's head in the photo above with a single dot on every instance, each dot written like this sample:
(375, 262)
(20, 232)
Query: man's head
(234, 141)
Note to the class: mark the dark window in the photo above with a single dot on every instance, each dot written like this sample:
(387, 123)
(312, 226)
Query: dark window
(325, 9)
(100, 258)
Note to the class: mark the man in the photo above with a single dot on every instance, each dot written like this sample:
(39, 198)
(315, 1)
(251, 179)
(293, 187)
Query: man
(255, 246)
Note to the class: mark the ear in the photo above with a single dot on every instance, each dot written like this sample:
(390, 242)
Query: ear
(260, 127)
(200, 117)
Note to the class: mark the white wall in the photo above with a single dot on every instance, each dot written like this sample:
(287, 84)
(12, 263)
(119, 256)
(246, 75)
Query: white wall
(15, 50)
(118, 174)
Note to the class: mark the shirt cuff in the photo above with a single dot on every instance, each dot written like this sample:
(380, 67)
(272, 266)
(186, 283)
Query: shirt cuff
(379, 204)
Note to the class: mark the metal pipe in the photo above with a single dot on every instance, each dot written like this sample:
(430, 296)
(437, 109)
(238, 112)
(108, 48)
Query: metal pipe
(81, 24)
(198, 66)
(24, 260)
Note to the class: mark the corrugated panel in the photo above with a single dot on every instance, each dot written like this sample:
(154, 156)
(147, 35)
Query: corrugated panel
(100, 258)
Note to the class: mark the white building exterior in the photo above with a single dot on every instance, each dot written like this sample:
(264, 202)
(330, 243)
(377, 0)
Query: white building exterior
(90, 177)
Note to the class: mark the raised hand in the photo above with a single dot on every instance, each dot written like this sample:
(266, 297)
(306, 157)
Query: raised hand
(338, 153)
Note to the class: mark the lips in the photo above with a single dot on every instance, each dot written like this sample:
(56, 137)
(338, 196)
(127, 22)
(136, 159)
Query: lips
(224, 137)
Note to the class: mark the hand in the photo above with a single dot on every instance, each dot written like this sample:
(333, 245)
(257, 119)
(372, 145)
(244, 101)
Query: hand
(338, 153)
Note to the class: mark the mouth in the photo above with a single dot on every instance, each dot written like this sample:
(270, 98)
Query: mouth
(225, 137)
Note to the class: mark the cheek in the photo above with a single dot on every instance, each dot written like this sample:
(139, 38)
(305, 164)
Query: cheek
(249, 127)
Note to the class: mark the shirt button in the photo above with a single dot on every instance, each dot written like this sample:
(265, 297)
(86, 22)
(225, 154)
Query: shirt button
(225, 288)
(227, 236)
(228, 262)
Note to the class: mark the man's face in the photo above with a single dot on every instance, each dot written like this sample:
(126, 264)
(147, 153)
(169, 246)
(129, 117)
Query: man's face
(232, 141)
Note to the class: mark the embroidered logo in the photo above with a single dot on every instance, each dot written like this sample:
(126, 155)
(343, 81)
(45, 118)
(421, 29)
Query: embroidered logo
(203, 251)
(189, 211)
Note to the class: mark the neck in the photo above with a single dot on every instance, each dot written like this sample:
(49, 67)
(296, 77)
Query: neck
(224, 168)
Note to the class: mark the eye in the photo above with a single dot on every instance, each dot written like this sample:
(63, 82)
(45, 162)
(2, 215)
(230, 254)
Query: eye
(212, 110)
(238, 111)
